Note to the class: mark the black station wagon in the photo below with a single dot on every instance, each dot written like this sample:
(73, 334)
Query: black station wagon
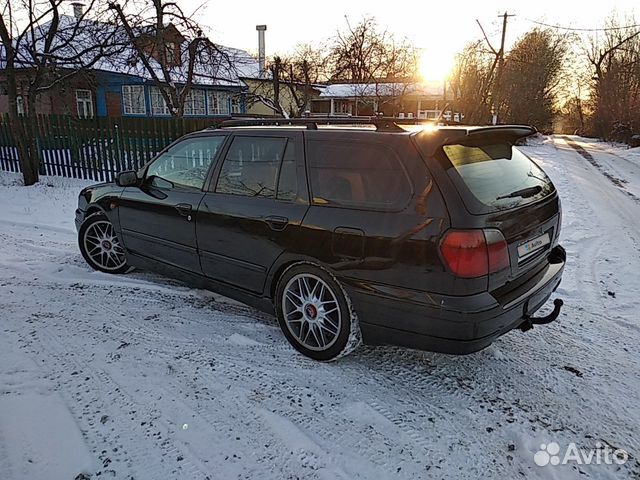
(435, 238)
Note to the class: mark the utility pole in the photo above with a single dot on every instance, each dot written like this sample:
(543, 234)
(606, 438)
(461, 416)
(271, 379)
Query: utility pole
(497, 67)
(497, 87)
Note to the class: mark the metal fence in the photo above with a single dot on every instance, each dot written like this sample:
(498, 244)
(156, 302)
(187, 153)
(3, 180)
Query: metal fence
(96, 148)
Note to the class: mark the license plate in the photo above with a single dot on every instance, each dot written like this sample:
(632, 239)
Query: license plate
(533, 246)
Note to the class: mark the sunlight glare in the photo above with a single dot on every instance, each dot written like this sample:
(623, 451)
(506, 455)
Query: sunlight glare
(435, 64)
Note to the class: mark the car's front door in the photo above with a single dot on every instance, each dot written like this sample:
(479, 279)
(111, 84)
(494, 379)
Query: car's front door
(254, 208)
(157, 218)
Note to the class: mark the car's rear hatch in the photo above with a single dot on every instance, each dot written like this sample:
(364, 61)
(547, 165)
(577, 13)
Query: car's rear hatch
(531, 231)
(499, 187)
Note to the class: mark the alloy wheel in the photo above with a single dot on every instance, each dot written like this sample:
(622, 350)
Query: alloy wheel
(103, 247)
(311, 311)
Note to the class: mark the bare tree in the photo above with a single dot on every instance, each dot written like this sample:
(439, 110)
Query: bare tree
(573, 115)
(357, 54)
(531, 79)
(302, 72)
(43, 49)
(365, 54)
(614, 56)
(529, 83)
(275, 71)
(168, 46)
(471, 82)
(291, 81)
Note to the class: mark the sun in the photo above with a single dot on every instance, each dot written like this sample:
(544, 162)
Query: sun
(435, 64)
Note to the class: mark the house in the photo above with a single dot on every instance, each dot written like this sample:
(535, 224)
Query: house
(393, 99)
(119, 85)
(295, 98)
(126, 87)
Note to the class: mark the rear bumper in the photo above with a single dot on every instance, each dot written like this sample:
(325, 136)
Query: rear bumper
(456, 325)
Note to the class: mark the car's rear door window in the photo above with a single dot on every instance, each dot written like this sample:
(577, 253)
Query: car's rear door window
(356, 174)
(498, 175)
(251, 166)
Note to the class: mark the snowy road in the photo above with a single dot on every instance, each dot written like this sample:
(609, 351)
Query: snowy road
(139, 377)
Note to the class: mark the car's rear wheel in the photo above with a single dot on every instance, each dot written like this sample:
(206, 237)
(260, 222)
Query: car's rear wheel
(315, 314)
(100, 245)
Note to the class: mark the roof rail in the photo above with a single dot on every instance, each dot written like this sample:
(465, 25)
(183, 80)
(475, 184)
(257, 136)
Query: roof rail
(382, 124)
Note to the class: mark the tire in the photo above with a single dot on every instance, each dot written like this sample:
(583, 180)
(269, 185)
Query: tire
(315, 313)
(100, 245)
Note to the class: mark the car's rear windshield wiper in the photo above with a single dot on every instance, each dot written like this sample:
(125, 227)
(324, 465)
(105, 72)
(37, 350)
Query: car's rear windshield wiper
(524, 193)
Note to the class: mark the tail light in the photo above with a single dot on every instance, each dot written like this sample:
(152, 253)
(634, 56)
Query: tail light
(475, 253)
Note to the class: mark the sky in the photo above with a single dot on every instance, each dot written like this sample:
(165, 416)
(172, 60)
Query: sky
(442, 28)
(439, 29)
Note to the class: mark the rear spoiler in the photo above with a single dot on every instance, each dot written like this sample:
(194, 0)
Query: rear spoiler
(515, 132)
(473, 136)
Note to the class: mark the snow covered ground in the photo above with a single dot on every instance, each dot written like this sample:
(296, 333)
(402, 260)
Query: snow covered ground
(137, 376)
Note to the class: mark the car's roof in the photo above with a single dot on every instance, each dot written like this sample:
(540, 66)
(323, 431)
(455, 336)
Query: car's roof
(430, 135)
(377, 124)
(514, 131)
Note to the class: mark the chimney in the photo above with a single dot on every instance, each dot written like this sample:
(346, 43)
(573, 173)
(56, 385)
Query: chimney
(78, 10)
(261, 53)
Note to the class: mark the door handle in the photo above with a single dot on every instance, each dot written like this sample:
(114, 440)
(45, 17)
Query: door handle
(184, 209)
(277, 223)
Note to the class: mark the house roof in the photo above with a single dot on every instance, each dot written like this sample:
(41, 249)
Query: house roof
(352, 90)
(74, 44)
(226, 66)
(246, 65)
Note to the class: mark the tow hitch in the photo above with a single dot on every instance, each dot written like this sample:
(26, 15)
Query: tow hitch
(530, 321)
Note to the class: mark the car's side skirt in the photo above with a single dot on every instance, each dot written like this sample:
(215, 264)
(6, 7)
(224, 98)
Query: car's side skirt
(200, 281)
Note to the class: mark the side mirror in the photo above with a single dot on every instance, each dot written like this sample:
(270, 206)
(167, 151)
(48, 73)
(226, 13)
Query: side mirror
(127, 179)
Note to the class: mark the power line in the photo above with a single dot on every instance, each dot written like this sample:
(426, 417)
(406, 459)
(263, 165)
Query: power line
(573, 29)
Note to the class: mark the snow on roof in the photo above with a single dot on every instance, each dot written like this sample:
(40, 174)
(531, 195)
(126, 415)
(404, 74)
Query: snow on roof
(246, 65)
(75, 43)
(350, 90)
(223, 70)
(225, 66)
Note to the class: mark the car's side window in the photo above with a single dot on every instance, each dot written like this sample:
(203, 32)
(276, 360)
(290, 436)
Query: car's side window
(185, 164)
(356, 174)
(251, 167)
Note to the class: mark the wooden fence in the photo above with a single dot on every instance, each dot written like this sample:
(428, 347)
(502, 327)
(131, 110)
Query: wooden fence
(96, 148)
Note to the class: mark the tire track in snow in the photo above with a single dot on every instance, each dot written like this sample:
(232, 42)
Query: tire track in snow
(201, 353)
(198, 354)
(95, 389)
(618, 182)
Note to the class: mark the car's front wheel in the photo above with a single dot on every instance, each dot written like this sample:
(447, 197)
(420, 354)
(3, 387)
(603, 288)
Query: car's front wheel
(315, 314)
(100, 245)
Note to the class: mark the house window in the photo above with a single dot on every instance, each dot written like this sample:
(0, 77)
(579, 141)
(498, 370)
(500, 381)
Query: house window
(20, 105)
(158, 104)
(344, 107)
(194, 103)
(236, 105)
(170, 53)
(84, 103)
(218, 103)
(133, 100)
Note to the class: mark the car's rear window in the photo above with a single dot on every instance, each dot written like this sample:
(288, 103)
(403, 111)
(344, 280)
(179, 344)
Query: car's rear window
(498, 175)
